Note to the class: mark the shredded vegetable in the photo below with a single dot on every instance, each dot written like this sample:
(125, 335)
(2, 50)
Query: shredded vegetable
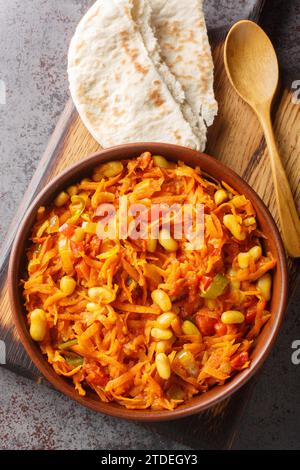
(147, 323)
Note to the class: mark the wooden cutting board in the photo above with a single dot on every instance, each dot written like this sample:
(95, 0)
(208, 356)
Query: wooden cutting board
(237, 140)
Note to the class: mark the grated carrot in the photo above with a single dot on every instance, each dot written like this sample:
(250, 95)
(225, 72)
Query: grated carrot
(108, 342)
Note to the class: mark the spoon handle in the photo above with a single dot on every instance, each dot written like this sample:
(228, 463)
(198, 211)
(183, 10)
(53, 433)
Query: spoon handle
(289, 220)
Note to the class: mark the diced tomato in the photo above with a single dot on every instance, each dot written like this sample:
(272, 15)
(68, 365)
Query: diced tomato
(193, 280)
(67, 230)
(205, 282)
(192, 284)
(83, 270)
(193, 295)
(186, 309)
(250, 301)
(88, 238)
(232, 329)
(232, 249)
(220, 328)
(178, 289)
(251, 314)
(205, 324)
(246, 285)
(219, 265)
(238, 361)
(77, 248)
(95, 245)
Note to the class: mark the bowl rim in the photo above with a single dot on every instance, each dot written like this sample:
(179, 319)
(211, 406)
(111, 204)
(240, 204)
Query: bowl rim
(59, 382)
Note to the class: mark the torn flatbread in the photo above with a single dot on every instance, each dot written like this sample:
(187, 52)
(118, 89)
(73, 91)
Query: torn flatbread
(142, 13)
(181, 32)
(117, 90)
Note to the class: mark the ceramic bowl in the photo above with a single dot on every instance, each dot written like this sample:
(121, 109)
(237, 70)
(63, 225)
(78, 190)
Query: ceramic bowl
(217, 170)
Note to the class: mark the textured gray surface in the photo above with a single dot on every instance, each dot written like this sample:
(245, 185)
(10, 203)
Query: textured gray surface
(34, 37)
(33, 43)
(34, 417)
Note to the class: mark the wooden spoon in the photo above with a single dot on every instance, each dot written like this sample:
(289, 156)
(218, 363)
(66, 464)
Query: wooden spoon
(252, 68)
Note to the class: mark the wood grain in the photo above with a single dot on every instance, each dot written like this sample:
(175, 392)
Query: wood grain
(236, 138)
(248, 55)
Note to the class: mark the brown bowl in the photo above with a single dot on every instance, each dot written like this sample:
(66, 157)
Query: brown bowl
(214, 168)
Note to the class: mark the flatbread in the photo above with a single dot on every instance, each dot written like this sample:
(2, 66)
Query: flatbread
(142, 13)
(181, 32)
(117, 90)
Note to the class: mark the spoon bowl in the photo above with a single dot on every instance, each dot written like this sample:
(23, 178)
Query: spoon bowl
(251, 60)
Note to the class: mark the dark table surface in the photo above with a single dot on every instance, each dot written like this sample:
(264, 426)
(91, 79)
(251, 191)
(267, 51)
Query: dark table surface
(34, 35)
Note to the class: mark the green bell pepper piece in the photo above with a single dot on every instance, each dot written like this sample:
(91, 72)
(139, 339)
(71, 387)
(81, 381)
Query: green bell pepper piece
(75, 361)
(68, 344)
(216, 288)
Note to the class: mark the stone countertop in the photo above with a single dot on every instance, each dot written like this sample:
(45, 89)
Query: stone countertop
(34, 35)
